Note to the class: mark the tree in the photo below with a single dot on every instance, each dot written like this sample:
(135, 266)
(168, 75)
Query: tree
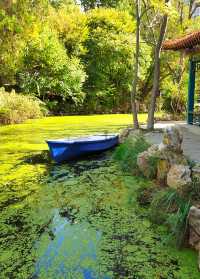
(136, 66)
(108, 59)
(70, 24)
(49, 73)
(91, 4)
(156, 76)
(59, 3)
(19, 22)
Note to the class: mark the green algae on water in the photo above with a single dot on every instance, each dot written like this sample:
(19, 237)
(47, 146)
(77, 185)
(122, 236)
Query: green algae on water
(94, 192)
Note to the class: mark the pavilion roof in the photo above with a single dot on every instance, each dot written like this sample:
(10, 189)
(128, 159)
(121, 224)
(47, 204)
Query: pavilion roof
(186, 42)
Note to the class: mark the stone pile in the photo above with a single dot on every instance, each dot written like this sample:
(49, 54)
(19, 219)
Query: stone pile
(173, 170)
(171, 166)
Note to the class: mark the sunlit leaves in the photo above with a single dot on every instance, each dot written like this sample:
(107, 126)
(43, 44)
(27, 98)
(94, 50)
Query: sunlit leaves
(49, 72)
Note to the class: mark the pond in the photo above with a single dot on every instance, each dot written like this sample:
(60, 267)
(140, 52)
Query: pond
(76, 220)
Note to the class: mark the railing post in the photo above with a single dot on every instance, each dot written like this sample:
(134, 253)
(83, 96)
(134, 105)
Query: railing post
(191, 90)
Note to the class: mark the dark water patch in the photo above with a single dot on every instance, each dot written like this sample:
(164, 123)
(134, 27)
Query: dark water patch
(69, 213)
(39, 158)
(75, 168)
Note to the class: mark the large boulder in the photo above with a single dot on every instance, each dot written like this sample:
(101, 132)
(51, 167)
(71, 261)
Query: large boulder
(172, 140)
(163, 167)
(171, 166)
(172, 157)
(170, 154)
(143, 161)
(179, 176)
(194, 229)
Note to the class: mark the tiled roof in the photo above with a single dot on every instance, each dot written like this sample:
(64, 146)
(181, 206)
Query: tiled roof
(187, 42)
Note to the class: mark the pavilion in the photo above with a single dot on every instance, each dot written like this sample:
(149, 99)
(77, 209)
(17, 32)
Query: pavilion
(189, 44)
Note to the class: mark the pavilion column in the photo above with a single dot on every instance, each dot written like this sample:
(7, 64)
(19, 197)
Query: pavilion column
(191, 91)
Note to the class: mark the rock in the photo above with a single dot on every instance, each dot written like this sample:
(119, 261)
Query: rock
(196, 172)
(171, 165)
(172, 157)
(153, 149)
(143, 161)
(125, 133)
(179, 176)
(172, 140)
(163, 167)
(194, 229)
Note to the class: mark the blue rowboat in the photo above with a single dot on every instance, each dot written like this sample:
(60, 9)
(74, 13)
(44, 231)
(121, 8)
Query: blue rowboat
(68, 149)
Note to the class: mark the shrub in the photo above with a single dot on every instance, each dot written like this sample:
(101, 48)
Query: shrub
(145, 194)
(16, 108)
(126, 154)
(173, 101)
(171, 208)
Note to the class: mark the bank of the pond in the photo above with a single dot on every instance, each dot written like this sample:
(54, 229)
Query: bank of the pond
(95, 195)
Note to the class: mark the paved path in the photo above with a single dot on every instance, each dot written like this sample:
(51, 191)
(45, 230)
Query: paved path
(191, 138)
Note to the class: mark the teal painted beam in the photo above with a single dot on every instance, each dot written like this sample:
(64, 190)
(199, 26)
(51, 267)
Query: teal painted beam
(191, 91)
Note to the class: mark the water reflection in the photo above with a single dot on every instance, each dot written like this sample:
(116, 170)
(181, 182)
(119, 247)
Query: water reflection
(68, 251)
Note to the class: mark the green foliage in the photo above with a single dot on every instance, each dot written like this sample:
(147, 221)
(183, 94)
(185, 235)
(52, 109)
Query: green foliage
(192, 191)
(99, 43)
(91, 4)
(16, 108)
(126, 154)
(60, 3)
(145, 195)
(19, 21)
(109, 57)
(11, 49)
(173, 101)
(70, 24)
(169, 207)
(49, 73)
(152, 166)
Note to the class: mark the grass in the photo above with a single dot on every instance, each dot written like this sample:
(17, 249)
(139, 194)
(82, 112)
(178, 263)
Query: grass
(126, 154)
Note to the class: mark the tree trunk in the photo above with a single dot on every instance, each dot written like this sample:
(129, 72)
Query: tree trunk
(136, 68)
(156, 78)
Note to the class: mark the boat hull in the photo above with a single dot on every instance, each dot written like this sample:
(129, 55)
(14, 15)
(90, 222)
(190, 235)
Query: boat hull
(65, 150)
